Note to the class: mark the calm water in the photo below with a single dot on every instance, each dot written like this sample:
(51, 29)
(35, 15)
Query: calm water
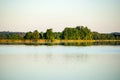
(42, 62)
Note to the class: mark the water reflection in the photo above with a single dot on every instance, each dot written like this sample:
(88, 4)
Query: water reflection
(78, 44)
(60, 67)
(67, 43)
(62, 58)
(107, 43)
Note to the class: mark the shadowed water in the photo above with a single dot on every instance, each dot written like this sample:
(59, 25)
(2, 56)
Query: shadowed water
(21, 62)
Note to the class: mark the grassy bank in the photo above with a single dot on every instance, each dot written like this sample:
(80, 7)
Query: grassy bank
(53, 41)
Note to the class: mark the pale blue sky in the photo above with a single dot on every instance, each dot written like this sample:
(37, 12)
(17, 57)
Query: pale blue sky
(29, 15)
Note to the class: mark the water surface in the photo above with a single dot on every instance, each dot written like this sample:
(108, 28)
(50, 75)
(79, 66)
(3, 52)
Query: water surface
(42, 62)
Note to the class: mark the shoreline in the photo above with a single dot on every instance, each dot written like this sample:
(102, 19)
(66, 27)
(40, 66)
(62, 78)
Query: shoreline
(42, 41)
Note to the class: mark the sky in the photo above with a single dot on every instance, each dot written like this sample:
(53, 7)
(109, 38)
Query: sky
(29, 15)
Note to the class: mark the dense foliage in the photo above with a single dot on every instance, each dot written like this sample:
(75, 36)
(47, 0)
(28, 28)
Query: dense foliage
(12, 35)
(80, 32)
(77, 33)
(49, 34)
(103, 36)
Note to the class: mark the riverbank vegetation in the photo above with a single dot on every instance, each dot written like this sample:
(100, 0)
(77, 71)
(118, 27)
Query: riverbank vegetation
(77, 34)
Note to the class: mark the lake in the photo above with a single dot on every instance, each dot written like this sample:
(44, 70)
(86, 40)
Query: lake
(58, 62)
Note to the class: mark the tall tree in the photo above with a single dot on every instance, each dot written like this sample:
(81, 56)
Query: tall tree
(42, 36)
(57, 35)
(65, 33)
(96, 35)
(49, 34)
(80, 32)
(28, 35)
(35, 35)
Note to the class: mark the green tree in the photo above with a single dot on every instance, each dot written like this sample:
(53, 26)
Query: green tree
(35, 35)
(65, 33)
(88, 34)
(3, 36)
(80, 32)
(84, 33)
(42, 36)
(96, 35)
(28, 35)
(104, 36)
(111, 37)
(57, 35)
(14, 36)
(49, 34)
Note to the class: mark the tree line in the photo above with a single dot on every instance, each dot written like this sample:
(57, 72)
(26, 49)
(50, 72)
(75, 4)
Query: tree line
(77, 33)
